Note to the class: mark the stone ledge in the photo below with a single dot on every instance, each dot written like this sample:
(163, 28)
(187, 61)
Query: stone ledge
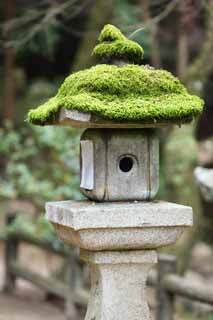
(78, 119)
(80, 215)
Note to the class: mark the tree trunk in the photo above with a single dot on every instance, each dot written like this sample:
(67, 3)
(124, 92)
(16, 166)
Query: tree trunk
(9, 62)
(182, 53)
(155, 51)
(202, 66)
(182, 41)
(101, 13)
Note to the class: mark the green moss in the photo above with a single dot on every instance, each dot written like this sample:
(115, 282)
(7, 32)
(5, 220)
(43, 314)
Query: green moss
(110, 33)
(114, 45)
(130, 92)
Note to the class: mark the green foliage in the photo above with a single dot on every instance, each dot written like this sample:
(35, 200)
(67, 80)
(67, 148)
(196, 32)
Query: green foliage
(131, 92)
(114, 45)
(127, 13)
(180, 158)
(37, 29)
(40, 164)
(43, 43)
(183, 160)
(36, 228)
(40, 89)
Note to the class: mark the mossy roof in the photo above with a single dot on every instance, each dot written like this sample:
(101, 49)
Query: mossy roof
(131, 92)
(114, 45)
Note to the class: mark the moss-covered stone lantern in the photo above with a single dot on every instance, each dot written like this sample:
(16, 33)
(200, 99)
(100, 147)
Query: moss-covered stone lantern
(123, 94)
(120, 102)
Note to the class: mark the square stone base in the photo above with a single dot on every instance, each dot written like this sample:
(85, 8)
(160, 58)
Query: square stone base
(119, 226)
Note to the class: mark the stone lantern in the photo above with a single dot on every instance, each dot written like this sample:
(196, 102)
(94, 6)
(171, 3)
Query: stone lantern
(118, 230)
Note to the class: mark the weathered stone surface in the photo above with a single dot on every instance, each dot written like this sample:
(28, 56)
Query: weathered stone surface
(87, 165)
(204, 178)
(78, 119)
(118, 284)
(87, 214)
(125, 165)
(111, 233)
(115, 226)
(99, 166)
(116, 239)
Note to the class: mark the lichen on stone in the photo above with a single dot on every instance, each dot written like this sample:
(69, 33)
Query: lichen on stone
(131, 92)
(114, 45)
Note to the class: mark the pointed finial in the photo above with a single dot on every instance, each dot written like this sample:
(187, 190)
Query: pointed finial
(114, 46)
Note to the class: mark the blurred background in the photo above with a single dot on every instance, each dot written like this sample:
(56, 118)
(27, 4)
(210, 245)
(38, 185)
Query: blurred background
(41, 43)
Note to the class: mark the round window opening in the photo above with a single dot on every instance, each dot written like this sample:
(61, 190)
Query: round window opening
(126, 164)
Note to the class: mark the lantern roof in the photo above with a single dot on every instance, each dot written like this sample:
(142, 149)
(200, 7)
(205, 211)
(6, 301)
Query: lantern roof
(125, 94)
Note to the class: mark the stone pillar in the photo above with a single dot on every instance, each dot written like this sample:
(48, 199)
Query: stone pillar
(119, 241)
(118, 284)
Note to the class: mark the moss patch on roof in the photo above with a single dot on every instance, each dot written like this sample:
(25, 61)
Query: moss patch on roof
(111, 33)
(114, 45)
(130, 92)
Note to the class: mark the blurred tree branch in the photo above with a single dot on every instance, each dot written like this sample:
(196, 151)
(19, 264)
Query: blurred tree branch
(100, 14)
(167, 9)
(39, 18)
(202, 66)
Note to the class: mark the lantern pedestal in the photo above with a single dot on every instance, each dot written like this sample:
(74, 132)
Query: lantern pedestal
(113, 237)
(118, 280)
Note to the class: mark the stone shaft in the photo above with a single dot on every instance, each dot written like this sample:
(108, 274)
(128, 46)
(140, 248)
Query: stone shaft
(118, 280)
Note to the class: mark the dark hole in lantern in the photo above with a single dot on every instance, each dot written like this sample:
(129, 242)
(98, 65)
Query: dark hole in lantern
(126, 164)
